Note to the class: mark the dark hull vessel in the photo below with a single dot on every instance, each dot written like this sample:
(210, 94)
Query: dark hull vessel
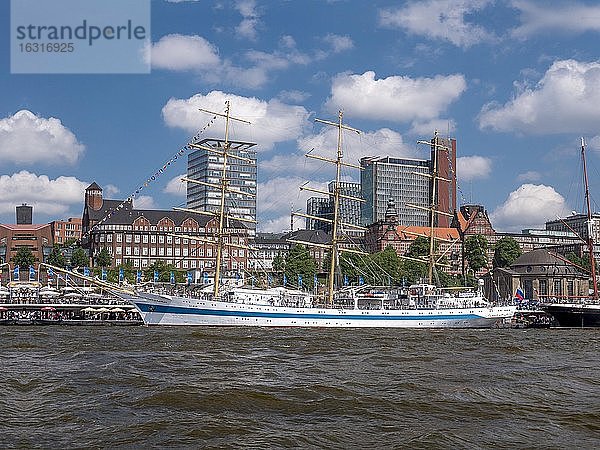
(575, 315)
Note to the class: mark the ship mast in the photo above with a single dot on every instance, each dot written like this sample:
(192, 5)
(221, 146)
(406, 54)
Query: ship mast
(590, 223)
(337, 196)
(433, 207)
(224, 188)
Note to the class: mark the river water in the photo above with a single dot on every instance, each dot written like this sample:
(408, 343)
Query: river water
(65, 387)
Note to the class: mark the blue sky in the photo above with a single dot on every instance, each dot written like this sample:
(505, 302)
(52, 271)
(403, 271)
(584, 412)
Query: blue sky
(515, 82)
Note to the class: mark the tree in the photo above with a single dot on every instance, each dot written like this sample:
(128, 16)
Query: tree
(387, 266)
(413, 271)
(299, 262)
(56, 258)
(79, 258)
(475, 251)
(506, 251)
(23, 258)
(103, 258)
(278, 263)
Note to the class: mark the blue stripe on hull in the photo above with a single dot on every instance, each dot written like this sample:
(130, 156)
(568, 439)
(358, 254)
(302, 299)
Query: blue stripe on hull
(163, 309)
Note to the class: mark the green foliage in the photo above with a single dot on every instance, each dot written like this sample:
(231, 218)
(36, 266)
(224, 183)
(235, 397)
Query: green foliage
(71, 242)
(103, 258)
(164, 272)
(506, 251)
(279, 263)
(79, 258)
(387, 267)
(299, 262)
(56, 258)
(584, 263)
(23, 258)
(475, 251)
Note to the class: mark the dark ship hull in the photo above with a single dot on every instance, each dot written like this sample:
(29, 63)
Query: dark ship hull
(575, 314)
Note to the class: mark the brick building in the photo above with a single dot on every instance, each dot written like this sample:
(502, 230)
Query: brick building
(65, 230)
(36, 237)
(143, 237)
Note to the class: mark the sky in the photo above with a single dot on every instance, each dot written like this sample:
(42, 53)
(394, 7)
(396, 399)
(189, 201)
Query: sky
(516, 82)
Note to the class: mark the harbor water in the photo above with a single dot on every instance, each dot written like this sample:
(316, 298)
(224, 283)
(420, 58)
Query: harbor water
(65, 387)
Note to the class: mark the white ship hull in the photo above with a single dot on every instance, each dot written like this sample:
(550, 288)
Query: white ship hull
(172, 310)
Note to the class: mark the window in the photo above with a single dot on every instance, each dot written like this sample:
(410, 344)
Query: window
(543, 288)
(169, 251)
(118, 250)
(153, 251)
(177, 251)
(557, 288)
(145, 251)
(161, 239)
(128, 238)
(136, 250)
(127, 250)
(177, 241)
(145, 239)
(161, 252)
(169, 239)
(185, 252)
(119, 237)
(109, 238)
(153, 239)
(137, 238)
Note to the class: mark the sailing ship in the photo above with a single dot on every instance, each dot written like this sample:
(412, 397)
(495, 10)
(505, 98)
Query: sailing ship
(583, 312)
(421, 306)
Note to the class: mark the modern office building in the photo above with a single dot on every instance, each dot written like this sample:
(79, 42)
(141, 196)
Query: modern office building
(349, 209)
(207, 167)
(398, 179)
(578, 225)
(385, 178)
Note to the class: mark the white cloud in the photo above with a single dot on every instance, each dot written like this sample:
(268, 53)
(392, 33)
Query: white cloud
(276, 199)
(565, 100)
(338, 43)
(530, 175)
(396, 98)
(570, 17)
(272, 121)
(440, 19)
(250, 18)
(47, 196)
(293, 96)
(181, 52)
(144, 202)
(176, 187)
(110, 190)
(427, 128)
(530, 206)
(26, 138)
(594, 143)
(473, 167)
